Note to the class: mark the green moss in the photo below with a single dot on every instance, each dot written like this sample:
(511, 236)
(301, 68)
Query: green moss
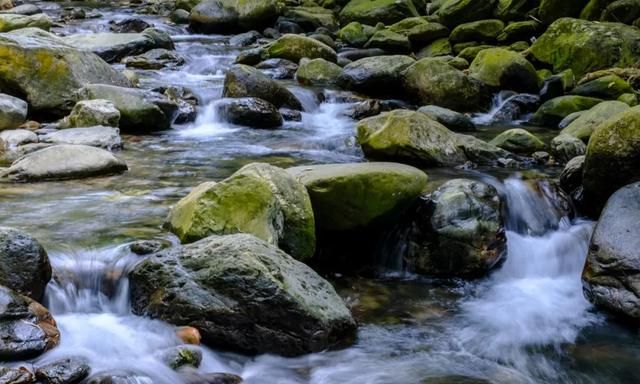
(372, 12)
(440, 47)
(295, 47)
(583, 126)
(501, 68)
(456, 12)
(355, 34)
(482, 31)
(554, 110)
(318, 72)
(518, 140)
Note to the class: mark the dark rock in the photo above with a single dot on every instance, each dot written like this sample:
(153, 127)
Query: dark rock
(250, 111)
(147, 247)
(129, 26)
(24, 265)
(357, 54)
(16, 376)
(278, 68)
(66, 371)
(245, 81)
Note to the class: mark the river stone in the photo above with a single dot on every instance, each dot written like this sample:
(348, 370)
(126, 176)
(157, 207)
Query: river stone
(13, 112)
(19, 375)
(352, 196)
(371, 12)
(613, 157)
(518, 140)
(49, 87)
(181, 356)
(242, 293)
(420, 31)
(579, 45)
(318, 72)
(378, 75)
(113, 47)
(552, 112)
(457, 231)
(157, 58)
(356, 34)
(311, 18)
(26, 328)
(622, 11)
(504, 69)
(140, 110)
(24, 9)
(519, 31)
(16, 137)
(431, 81)
(98, 136)
(259, 199)
(10, 22)
(296, 47)
(249, 111)
(455, 121)
(191, 377)
(565, 147)
(24, 264)
(61, 162)
(245, 81)
(551, 10)
(480, 31)
(612, 269)
(583, 126)
(456, 12)
(389, 41)
(88, 113)
(228, 16)
(570, 179)
(65, 371)
(607, 87)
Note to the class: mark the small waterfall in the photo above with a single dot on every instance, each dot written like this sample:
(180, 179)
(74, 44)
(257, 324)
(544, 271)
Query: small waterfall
(209, 123)
(508, 106)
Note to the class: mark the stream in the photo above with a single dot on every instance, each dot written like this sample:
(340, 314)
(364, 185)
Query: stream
(527, 323)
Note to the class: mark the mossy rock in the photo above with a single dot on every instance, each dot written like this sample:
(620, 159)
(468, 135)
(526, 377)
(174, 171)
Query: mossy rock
(470, 53)
(551, 10)
(433, 82)
(593, 10)
(481, 30)
(377, 75)
(352, 196)
(420, 31)
(356, 34)
(10, 22)
(372, 12)
(579, 45)
(587, 122)
(49, 87)
(228, 16)
(553, 111)
(504, 69)
(296, 47)
(311, 18)
(510, 10)
(439, 47)
(318, 72)
(612, 159)
(519, 31)
(456, 12)
(622, 11)
(608, 87)
(258, 199)
(389, 41)
(631, 99)
(518, 140)
(245, 81)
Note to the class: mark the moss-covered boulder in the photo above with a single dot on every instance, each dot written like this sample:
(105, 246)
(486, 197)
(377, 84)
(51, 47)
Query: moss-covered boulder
(352, 196)
(377, 75)
(579, 45)
(551, 10)
(318, 72)
(420, 31)
(509, 10)
(431, 81)
(89, 113)
(228, 16)
(50, 86)
(480, 31)
(608, 87)
(437, 48)
(504, 69)
(613, 157)
(140, 110)
(296, 47)
(593, 9)
(249, 112)
(371, 12)
(311, 18)
(518, 140)
(243, 294)
(519, 31)
(553, 111)
(258, 199)
(622, 11)
(356, 34)
(10, 22)
(245, 81)
(456, 12)
(566, 147)
(583, 126)
(24, 264)
(389, 41)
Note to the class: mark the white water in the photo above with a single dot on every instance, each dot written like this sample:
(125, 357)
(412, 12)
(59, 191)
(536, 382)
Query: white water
(498, 103)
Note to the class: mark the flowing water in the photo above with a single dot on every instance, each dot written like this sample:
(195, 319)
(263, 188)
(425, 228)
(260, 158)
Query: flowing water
(526, 323)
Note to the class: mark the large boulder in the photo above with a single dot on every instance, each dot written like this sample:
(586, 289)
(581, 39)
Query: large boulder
(98, 136)
(250, 112)
(355, 34)
(612, 270)
(607, 87)
(242, 293)
(353, 196)
(510, 10)
(377, 75)
(140, 110)
(229, 16)
(458, 230)
(245, 81)
(504, 69)
(403, 135)
(456, 12)
(113, 47)
(613, 157)
(61, 162)
(89, 113)
(12, 21)
(579, 45)
(518, 140)
(50, 86)
(552, 112)
(432, 81)
(371, 12)
(13, 112)
(296, 47)
(551, 10)
(24, 264)
(455, 121)
(259, 199)
(318, 72)
(26, 328)
(582, 127)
